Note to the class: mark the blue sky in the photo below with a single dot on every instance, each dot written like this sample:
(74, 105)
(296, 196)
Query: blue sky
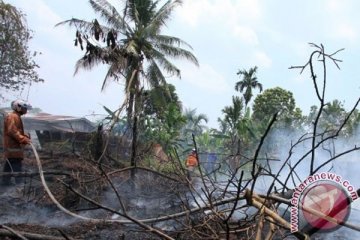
(226, 35)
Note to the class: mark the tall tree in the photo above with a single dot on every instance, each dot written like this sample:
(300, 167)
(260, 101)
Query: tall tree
(232, 117)
(333, 115)
(135, 48)
(353, 125)
(271, 101)
(158, 99)
(194, 122)
(239, 125)
(289, 119)
(17, 67)
(162, 117)
(248, 83)
(233, 114)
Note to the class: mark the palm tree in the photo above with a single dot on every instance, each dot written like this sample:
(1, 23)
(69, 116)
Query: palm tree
(234, 113)
(232, 117)
(240, 128)
(248, 82)
(193, 122)
(135, 49)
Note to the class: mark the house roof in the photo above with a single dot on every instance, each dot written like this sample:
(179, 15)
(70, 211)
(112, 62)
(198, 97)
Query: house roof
(45, 121)
(49, 122)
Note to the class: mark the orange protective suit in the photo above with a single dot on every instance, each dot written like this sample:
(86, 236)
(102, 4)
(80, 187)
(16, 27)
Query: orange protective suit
(14, 137)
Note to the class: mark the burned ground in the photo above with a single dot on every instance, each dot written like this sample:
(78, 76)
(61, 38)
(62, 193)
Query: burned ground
(27, 208)
(165, 201)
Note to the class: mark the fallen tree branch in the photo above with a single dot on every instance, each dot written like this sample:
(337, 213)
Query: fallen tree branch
(157, 219)
(33, 174)
(260, 225)
(133, 168)
(256, 201)
(272, 228)
(14, 232)
(64, 235)
(26, 235)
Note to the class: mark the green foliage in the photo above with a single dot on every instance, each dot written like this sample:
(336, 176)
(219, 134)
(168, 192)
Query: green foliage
(161, 119)
(271, 101)
(194, 123)
(156, 100)
(237, 124)
(193, 126)
(212, 141)
(289, 118)
(352, 128)
(168, 167)
(17, 67)
(136, 52)
(333, 116)
(233, 114)
(248, 83)
(165, 130)
(118, 125)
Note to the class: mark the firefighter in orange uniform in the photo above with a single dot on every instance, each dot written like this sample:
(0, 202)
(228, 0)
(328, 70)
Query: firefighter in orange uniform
(14, 140)
(191, 163)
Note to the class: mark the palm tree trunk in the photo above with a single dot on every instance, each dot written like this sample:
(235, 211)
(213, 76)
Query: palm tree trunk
(136, 103)
(133, 147)
(130, 106)
(134, 143)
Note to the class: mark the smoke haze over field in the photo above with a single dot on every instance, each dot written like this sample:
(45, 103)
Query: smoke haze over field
(281, 142)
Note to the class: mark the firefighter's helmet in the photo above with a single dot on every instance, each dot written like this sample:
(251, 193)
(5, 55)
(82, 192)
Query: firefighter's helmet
(20, 105)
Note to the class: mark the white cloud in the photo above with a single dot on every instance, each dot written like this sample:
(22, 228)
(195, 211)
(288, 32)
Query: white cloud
(335, 6)
(42, 20)
(246, 34)
(346, 31)
(300, 79)
(240, 18)
(301, 50)
(38, 12)
(204, 77)
(229, 12)
(261, 59)
(247, 10)
(191, 11)
(341, 25)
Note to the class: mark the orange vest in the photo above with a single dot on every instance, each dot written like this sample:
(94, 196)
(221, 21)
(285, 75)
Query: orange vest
(191, 161)
(14, 136)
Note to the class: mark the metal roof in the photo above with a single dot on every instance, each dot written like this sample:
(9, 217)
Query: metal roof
(48, 122)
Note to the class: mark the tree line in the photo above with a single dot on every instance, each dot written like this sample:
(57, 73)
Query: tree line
(131, 44)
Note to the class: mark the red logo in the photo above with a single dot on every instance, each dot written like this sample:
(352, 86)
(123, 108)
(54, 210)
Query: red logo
(325, 199)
